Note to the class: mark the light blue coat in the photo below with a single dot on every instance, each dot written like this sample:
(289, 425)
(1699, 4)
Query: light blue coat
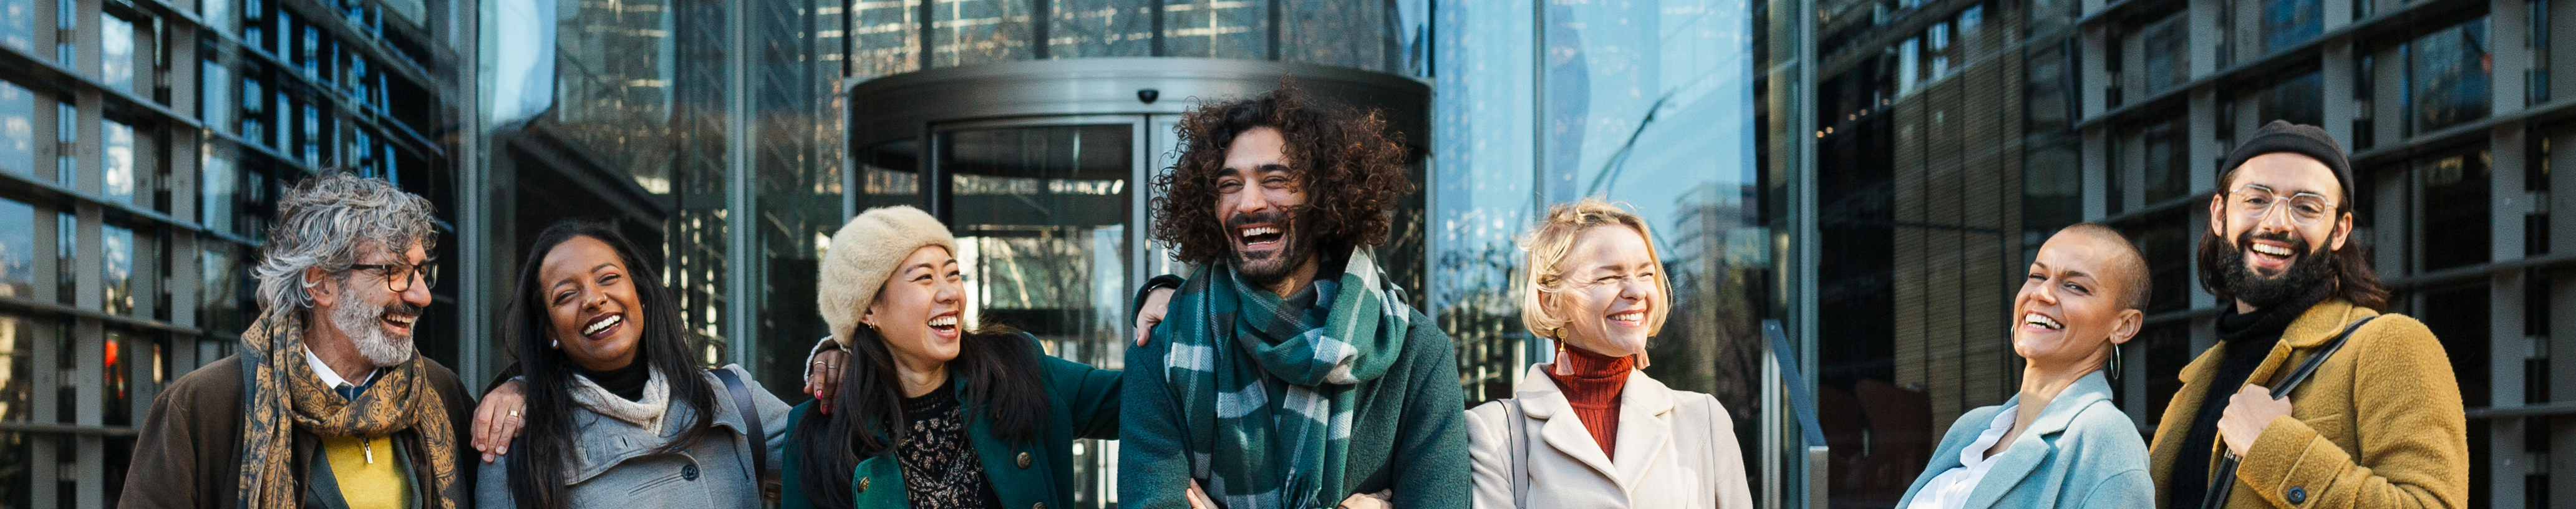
(2081, 452)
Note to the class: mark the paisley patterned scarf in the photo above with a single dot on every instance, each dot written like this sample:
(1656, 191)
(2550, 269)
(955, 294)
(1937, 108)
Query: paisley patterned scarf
(281, 393)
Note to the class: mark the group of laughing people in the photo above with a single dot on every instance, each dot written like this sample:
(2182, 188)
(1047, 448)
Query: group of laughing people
(1283, 371)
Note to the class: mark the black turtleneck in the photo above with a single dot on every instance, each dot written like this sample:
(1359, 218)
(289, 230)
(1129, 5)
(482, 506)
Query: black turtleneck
(2249, 337)
(627, 382)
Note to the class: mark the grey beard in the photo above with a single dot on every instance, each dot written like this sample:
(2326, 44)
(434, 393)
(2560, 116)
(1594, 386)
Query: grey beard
(359, 324)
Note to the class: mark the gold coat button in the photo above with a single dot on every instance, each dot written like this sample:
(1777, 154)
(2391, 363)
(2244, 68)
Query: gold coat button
(863, 484)
(1024, 463)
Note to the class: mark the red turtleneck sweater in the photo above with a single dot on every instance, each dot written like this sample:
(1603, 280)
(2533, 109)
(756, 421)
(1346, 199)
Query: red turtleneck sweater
(1593, 389)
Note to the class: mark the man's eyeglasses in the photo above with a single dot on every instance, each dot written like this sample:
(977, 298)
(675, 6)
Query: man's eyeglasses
(398, 276)
(2255, 202)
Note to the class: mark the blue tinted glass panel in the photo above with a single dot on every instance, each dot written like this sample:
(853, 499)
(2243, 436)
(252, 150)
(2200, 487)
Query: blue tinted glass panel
(2448, 76)
(117, 177)
(2287, 23)
(17, 250)
(17, 129)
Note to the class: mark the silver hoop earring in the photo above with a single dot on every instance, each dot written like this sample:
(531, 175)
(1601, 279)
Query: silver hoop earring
(2113, 372)
(554, 344)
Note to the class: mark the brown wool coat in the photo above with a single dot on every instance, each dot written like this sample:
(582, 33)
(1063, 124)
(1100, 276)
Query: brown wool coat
(2379, 425)
(188, 454)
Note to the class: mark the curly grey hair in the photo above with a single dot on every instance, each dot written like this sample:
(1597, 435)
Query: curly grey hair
(324, 222)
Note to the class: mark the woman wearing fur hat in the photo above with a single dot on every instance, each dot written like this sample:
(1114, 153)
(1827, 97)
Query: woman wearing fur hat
(933, 413)
(616, 407)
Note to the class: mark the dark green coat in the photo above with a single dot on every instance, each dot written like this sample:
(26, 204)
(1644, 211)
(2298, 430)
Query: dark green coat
(1082, 402)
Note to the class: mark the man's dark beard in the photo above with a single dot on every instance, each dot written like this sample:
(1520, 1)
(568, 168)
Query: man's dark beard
(1293, 248)
(2307, 269)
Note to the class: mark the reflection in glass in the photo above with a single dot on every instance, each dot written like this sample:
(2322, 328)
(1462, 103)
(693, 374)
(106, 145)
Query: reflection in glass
(116, 377)
(883, 38)
(2456, 214)
(1041, 215)
(17, 395)
(221, 288)
(18, 28)
(117, 266)
(887, 174)
(2299, 99)
(2287, 23)
(2166, 159)
(17, 250)
(1485, 182)
(116, 161)
(17, 374)
(1100, 28)
(2447, 76)
(1649, 104)
(116, 52)
(1216, 29)
(2168, 60)
(17, 129)
(968, 32)
(1334, 32)
(613, 85)
(215, 96)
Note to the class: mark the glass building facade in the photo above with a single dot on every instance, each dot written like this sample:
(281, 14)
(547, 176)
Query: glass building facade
(1871, 174)
(1953, 137)
(143, 145)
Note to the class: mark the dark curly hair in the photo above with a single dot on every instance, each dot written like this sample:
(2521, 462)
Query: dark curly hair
(1352, 165)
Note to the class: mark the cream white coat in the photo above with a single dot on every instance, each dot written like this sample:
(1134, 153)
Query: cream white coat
(1677, 449)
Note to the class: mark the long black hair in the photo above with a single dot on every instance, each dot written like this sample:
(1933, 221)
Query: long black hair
(998, 365)
(545, 448)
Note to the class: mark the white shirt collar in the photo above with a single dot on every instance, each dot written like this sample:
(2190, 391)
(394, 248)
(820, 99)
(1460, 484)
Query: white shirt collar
(331, 378)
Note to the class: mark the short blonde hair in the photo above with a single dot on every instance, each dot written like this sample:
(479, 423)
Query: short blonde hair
(1546, 247)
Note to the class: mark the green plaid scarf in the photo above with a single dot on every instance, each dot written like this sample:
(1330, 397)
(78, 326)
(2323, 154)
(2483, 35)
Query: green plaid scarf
(1265, 384)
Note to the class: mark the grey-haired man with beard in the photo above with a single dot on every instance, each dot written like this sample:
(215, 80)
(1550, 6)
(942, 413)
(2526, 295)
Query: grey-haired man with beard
(2378, 423)
(327, 403)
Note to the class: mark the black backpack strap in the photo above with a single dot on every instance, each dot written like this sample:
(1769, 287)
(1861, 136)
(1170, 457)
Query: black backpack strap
(758, 434)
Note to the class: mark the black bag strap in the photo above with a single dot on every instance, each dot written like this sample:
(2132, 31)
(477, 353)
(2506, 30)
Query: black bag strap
(2225, 480)
(758, 435)
(2291, 381)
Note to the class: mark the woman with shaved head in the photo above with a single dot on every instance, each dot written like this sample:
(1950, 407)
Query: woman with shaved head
(2060, 442)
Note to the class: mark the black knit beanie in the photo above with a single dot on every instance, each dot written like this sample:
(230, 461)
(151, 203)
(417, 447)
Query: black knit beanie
(2301, 139)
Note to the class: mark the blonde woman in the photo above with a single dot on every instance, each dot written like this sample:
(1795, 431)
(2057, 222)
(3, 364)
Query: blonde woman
(1589, 430)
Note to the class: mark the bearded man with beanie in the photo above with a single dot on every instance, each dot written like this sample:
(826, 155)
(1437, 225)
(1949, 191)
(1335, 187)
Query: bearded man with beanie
(2378, 424)
(1289, 374)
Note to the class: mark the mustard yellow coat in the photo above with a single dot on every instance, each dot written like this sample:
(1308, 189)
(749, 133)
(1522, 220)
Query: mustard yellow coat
(2391, 383)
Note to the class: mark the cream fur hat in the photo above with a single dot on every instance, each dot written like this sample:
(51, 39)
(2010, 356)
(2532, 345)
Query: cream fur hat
(864, 254)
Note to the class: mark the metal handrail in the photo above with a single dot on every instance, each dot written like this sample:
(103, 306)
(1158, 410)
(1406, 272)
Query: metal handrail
(1802, 403)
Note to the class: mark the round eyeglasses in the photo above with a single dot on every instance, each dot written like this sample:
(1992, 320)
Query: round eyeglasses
(398, 276)
(2256, 201)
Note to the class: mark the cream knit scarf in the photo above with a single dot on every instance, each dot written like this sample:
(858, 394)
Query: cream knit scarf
(646, 414)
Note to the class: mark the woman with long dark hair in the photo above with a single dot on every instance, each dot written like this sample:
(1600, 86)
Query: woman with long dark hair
(931, 412)
(618, 413)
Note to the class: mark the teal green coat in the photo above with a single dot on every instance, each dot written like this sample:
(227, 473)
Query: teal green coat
(2081, 452)
(1082, 402)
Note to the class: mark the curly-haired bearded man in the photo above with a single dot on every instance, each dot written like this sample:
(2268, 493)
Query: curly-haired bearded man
(1287, 372)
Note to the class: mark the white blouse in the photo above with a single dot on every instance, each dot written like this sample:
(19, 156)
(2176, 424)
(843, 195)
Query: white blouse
(1950, 489)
